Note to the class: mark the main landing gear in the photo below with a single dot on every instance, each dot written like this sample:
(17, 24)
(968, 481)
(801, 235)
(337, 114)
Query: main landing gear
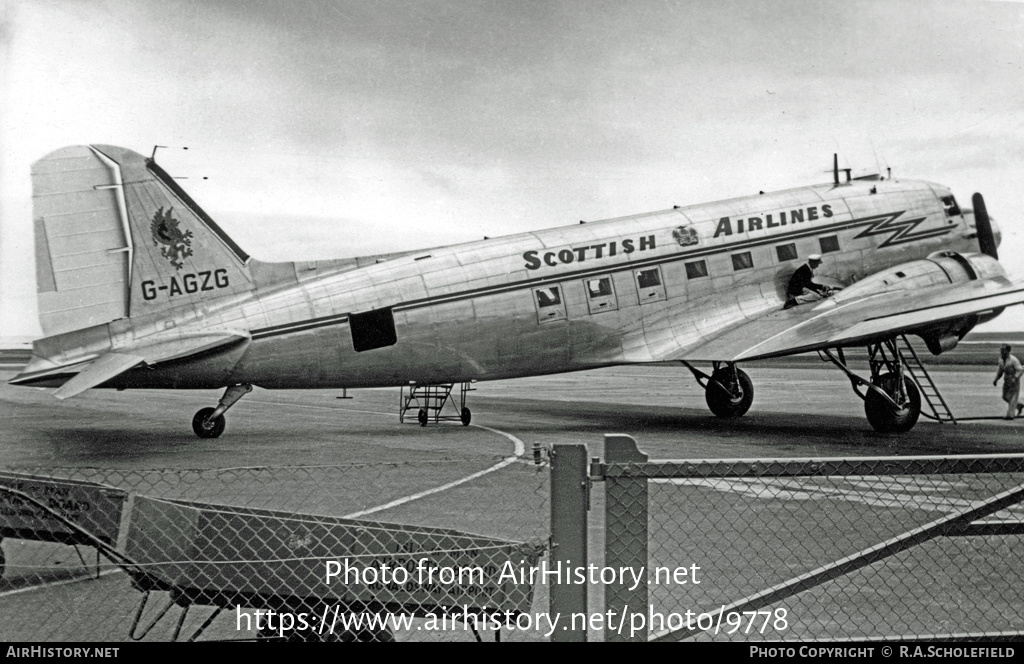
(892, 400)
(892, 396)
(728, 390)
(209, 422)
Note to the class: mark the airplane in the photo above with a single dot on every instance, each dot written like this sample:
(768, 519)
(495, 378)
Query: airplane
(138, 287)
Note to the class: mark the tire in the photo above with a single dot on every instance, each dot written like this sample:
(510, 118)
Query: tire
(212, 431)
(466, 417)
(422, 417)
(733, 402)
(881, 414)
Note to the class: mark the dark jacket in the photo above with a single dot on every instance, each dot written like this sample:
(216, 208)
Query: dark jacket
(801, 279)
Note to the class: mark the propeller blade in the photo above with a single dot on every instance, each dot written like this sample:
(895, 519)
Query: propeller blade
(986, 239)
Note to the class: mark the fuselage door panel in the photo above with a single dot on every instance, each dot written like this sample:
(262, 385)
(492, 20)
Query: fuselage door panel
(372, 329)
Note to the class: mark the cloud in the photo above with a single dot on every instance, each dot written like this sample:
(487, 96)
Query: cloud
(440, 121)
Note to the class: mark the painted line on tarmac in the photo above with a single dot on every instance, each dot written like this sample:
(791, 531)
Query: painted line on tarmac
(520, 449)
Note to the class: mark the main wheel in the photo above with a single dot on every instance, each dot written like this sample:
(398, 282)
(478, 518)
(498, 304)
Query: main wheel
(206, 429)
(466, 417)
(422, 417)
(883, 416)
(735, 399)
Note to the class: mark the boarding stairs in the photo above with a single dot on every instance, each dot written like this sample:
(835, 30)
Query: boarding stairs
(429, 402)
(927, 386)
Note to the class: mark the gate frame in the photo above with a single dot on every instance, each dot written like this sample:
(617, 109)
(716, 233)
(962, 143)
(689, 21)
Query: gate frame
(626, 471)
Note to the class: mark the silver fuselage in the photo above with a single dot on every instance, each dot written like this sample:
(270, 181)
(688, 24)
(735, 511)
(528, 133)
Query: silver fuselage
(629, 290)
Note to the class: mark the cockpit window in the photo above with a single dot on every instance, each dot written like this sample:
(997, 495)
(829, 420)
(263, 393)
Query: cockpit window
(952, 209)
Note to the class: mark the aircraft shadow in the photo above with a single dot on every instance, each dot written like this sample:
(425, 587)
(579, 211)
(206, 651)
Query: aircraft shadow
(781, 434)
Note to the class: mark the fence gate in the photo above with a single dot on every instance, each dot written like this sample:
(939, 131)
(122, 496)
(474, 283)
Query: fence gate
(829, 549)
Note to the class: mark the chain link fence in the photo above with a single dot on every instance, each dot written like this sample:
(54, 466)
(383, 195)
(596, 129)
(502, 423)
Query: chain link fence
(829, 549)
(383, 551)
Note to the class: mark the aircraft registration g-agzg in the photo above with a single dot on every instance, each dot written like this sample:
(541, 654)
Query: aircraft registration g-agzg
(139, 288)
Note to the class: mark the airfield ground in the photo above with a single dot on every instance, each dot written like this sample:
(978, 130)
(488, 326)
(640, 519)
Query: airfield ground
(801, 409)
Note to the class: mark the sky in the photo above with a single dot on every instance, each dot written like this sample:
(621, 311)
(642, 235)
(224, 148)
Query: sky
(335, 128)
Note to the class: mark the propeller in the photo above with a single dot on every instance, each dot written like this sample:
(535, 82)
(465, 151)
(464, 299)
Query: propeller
(986, 239)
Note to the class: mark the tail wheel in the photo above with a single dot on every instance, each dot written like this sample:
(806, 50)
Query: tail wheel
(206, 429)
(729, 394)
(882, 415)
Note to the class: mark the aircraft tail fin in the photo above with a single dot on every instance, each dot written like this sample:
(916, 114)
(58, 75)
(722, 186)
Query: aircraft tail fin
(116, 237)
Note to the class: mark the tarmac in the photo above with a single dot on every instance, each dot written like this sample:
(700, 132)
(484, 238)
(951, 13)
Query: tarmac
(802, 408)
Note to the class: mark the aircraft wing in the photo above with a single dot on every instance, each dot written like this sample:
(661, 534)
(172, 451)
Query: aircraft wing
(111, 364)
(831, 323)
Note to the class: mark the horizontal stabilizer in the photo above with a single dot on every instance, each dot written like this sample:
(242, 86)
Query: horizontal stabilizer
(165, 348)
(100, 371)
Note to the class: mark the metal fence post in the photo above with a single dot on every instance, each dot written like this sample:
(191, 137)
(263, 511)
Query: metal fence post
(625, 519)
(569, 500)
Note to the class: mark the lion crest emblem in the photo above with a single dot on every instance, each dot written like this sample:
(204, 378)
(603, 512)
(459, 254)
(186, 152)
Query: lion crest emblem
(685, 236)
(177, 245)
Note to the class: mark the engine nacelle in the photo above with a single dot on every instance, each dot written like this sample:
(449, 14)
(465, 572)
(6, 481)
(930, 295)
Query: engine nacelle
(941, 268)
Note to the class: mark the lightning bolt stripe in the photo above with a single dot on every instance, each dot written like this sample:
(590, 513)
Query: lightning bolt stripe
(901, 230)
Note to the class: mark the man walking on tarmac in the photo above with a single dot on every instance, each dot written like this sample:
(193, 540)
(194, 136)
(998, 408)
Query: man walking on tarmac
(1010, 370)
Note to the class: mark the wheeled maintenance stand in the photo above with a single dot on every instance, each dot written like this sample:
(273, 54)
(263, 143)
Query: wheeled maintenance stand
(430, 402)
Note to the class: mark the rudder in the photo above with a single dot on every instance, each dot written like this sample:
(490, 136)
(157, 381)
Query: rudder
(81, 245)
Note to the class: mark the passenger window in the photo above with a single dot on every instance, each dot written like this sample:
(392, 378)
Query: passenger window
(548, 297)
(549, 304)
(742, 261)
(696, 270)
(649, 285)
(599, 287)
(786, 252)
(601, 295)
(829, 243)
(648, 278)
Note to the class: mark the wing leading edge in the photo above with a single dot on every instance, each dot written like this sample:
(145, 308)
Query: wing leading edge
(830, 324)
